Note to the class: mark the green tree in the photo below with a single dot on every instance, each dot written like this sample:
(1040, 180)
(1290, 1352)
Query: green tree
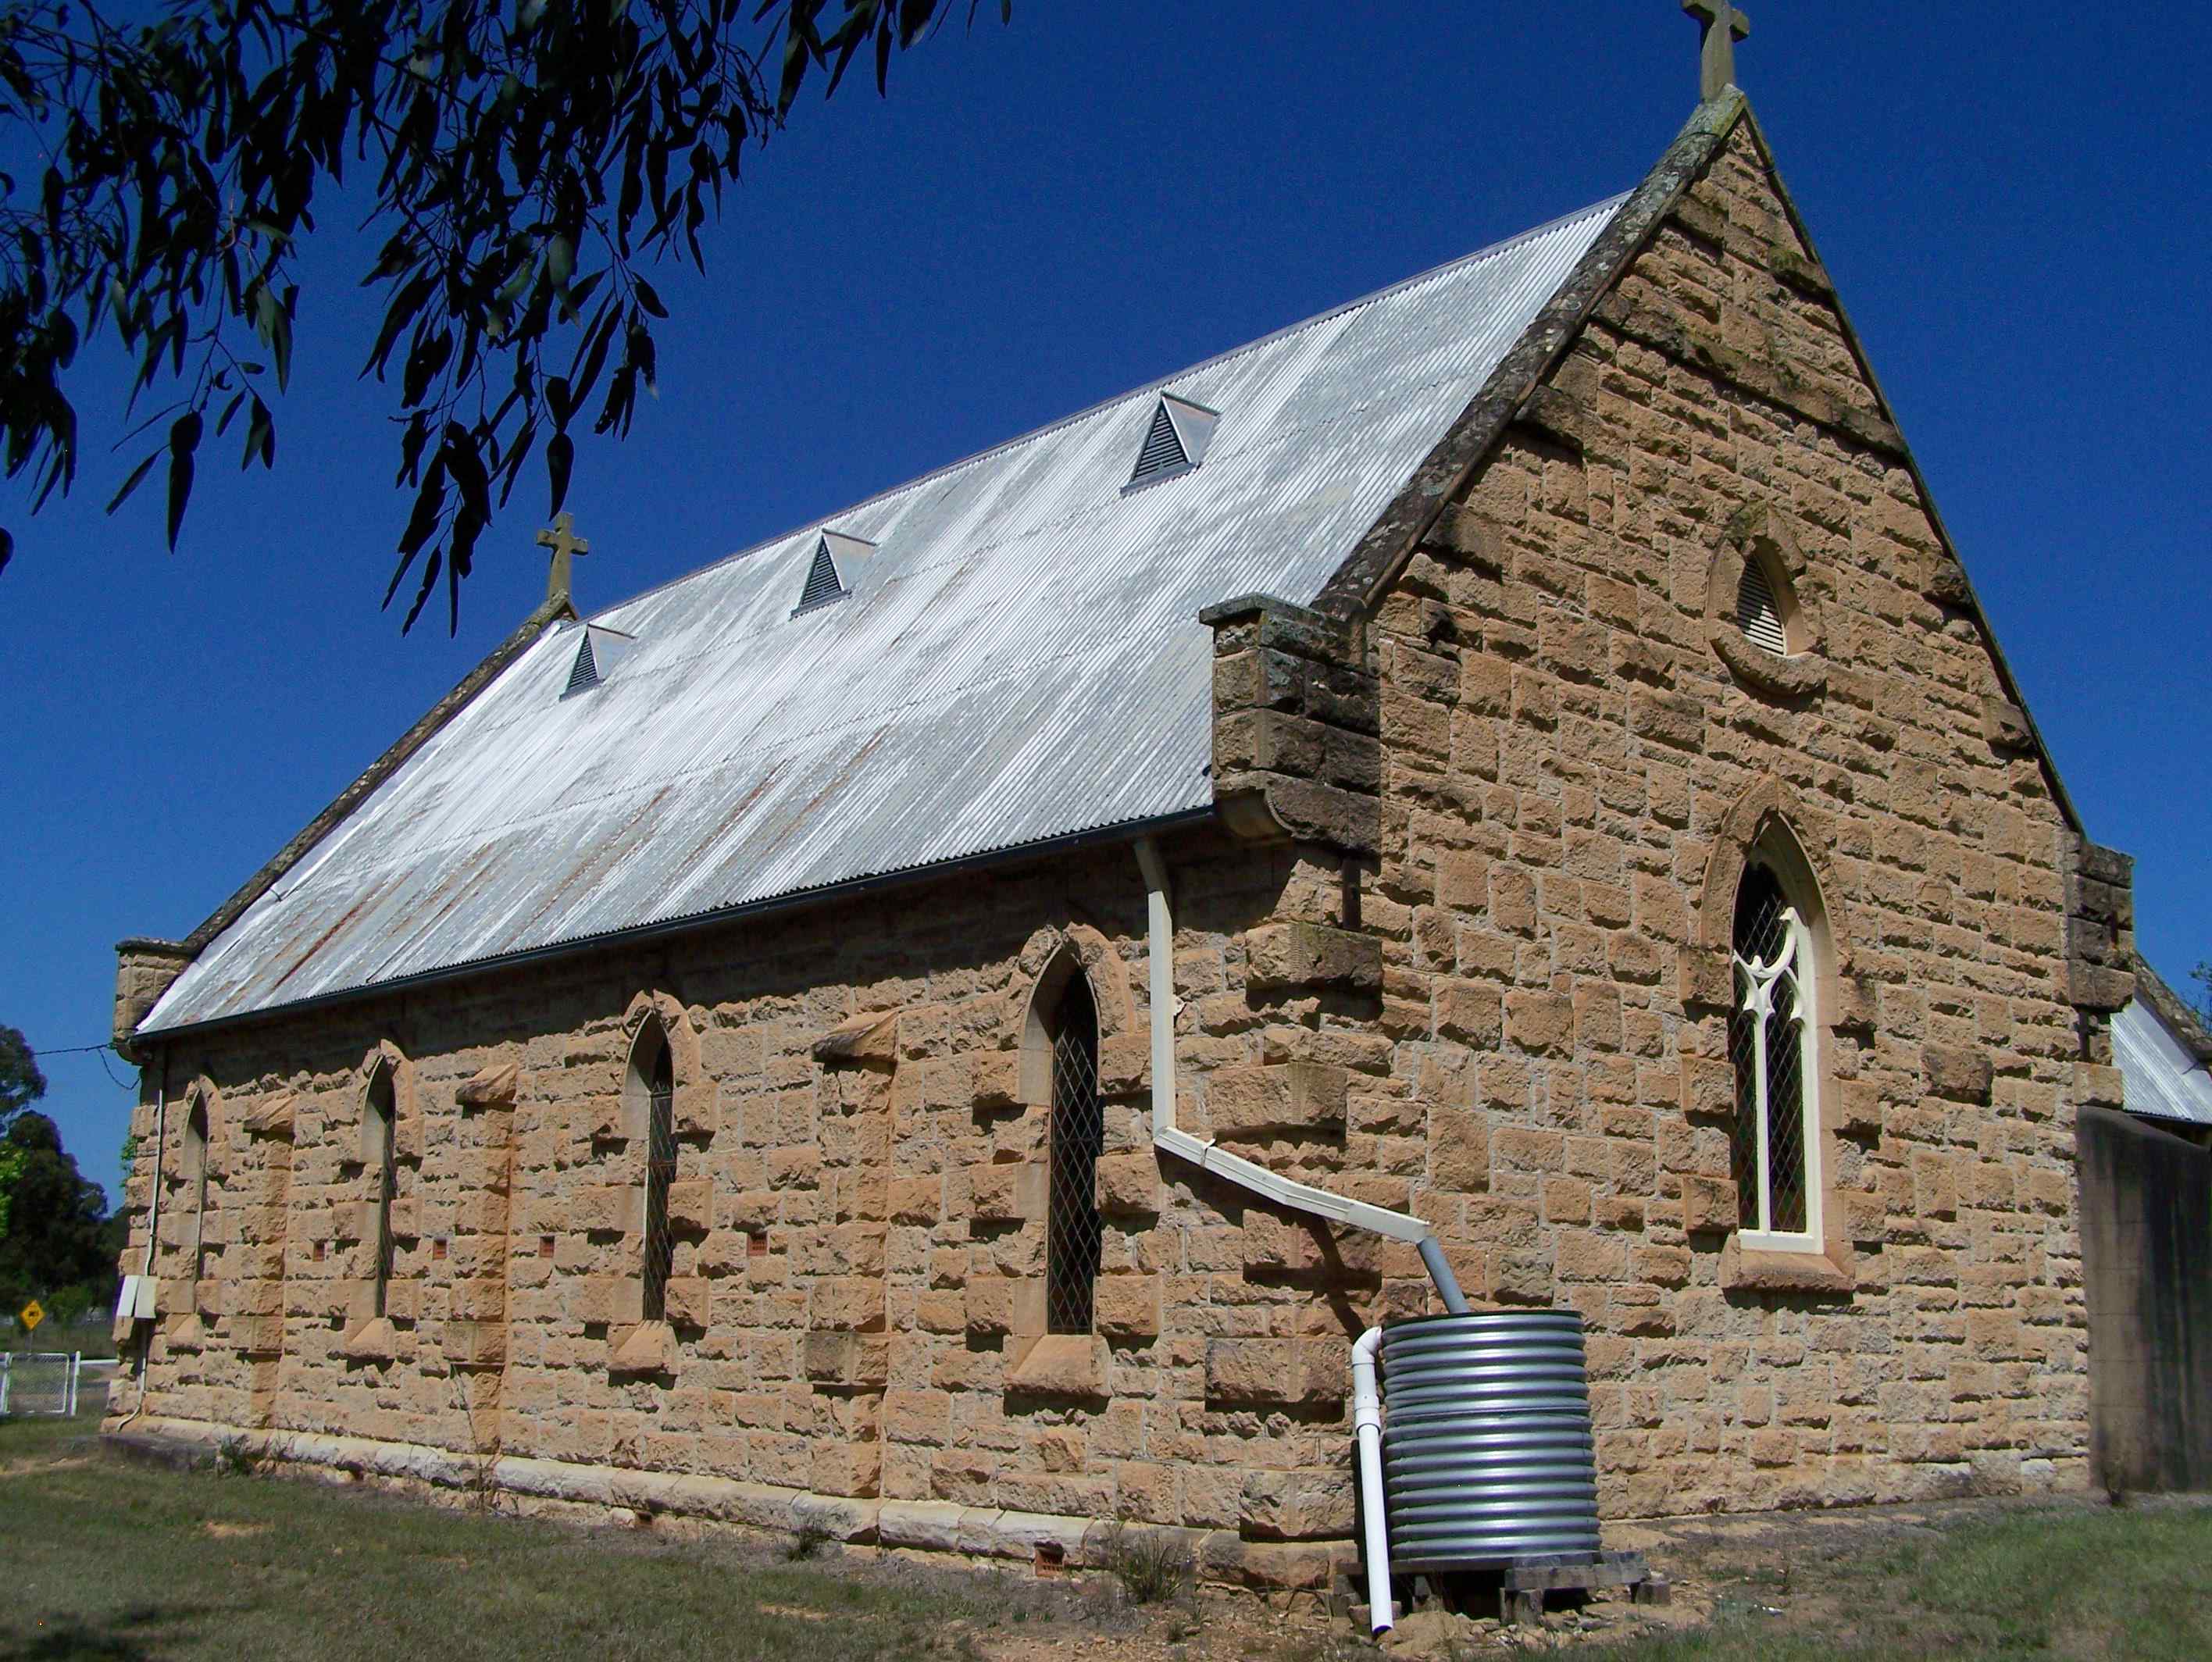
(56, 1237)
(20, 1081)
(524, 158)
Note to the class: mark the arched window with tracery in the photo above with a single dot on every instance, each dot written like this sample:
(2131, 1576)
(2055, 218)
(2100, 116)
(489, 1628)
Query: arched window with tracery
(383, 1118)
(1074, 1238)
(195, 1175)
(1773, 1040)
(653, 1080)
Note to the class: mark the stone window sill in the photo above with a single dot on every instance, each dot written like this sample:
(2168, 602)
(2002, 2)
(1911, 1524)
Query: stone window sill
(374, 1340)
(648, 1347)
(1798, 675)
(1752, 1270)
(1061, 1365)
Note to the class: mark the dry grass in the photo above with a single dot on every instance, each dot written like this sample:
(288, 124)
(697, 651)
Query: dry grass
(111, 1561)
(115, 1560)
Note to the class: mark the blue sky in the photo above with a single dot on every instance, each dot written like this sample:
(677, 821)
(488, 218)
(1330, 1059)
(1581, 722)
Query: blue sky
(2011, 199)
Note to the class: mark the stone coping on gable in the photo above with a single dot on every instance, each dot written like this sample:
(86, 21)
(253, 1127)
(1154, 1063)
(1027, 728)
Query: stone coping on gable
(1223, 1558)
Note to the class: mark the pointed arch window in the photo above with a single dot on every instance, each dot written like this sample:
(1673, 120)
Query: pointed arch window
(652, 1075)
(196, 1174)
(1772, 1043)
(1074, 1238)
(384, 1149)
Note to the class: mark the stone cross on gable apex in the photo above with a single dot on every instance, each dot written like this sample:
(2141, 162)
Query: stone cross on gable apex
(1721, 24)
(561, 538)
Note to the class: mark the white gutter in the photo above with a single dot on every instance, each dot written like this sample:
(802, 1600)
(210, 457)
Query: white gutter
(1367, 1427)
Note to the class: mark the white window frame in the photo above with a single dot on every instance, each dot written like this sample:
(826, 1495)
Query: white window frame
(1796, 961)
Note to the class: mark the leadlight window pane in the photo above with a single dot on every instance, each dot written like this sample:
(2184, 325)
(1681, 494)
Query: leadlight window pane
(382, 1108)
(1767, 1046)
(196, 1134)
(659, 1173)
(1785, 1112)
(1074, 1238)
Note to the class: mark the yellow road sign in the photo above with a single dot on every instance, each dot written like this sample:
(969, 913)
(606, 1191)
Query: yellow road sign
(32, 1314)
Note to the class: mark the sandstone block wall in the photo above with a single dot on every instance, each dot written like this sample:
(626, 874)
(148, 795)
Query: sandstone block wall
(1574, 760)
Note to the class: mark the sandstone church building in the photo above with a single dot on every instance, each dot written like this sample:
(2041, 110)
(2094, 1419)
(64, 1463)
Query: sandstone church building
(942, 1027)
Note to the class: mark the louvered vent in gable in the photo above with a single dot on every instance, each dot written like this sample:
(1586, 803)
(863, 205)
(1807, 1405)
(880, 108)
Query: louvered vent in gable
(1756, 612)
(836, 566)
(585, 671)
(1176, 442)
(597, 654)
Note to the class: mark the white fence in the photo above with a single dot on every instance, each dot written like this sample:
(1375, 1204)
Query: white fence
(44, 1382)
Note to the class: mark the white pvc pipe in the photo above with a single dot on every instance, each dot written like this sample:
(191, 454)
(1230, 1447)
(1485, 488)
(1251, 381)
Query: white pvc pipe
(1367, 1427)
(1366, 1391)
(1283, 1191)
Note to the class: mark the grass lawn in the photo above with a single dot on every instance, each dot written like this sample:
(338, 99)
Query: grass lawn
(2072, 1582)
(109, 1560)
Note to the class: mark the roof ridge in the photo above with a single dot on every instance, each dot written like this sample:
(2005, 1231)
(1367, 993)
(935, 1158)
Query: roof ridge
(1608, 205)
(1375, 560)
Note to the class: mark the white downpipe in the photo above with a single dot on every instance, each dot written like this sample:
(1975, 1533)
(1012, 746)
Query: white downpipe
(1283, 1191)
(1367, 1396)
(1367, 1427)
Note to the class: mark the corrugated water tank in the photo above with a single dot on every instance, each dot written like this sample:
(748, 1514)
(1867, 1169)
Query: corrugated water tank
(1488, 1453)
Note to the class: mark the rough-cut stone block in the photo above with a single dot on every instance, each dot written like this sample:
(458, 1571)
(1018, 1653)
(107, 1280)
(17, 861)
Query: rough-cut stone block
(1307, 1097)
(1965, 1076)
(691, 1205)
(999, 1304)
(1287, 956)
(1708, 1088)
(1128, 1184)
(861, 1361)
(1008, 1192)
(1709, 1205)
(470, 1344)
(1241, 1371)
(1459, 1149)
(996, 1081)
(687, 1299)
(1126, 1306)
(916, 1199)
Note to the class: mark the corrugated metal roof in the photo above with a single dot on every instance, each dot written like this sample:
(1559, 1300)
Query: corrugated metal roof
(2164, 1078)
(1020, 659)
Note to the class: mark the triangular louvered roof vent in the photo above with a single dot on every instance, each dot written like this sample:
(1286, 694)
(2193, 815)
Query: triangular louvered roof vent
(1756, 614)
(1176, 440)
(597, 654)
(836, 562)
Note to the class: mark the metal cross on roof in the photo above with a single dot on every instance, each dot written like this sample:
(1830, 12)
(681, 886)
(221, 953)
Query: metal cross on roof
(561, 538)
(1721, 25)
